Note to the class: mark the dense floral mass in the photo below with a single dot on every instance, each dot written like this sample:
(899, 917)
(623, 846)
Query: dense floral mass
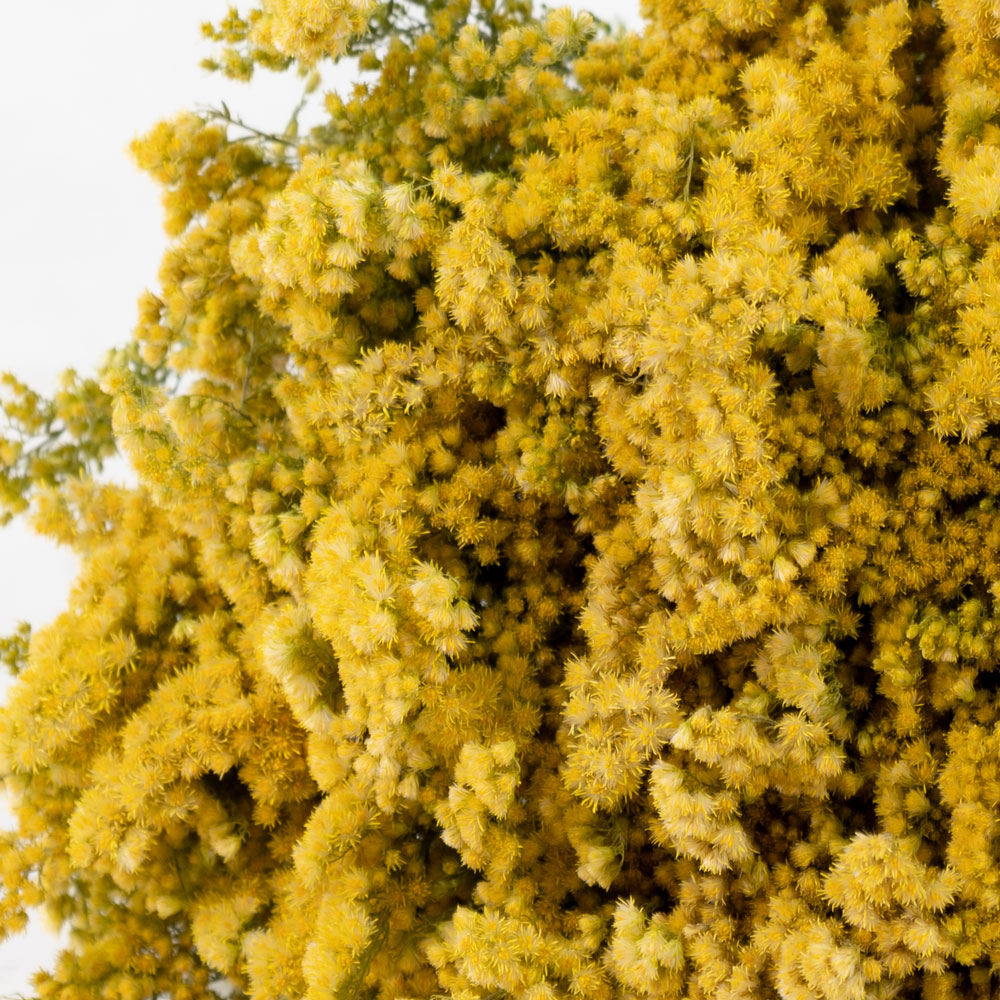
(566, 559)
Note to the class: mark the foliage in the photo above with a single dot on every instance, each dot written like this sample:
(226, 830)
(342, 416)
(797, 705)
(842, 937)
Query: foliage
(566, 559)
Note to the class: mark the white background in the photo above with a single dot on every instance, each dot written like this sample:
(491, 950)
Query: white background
(81, 234)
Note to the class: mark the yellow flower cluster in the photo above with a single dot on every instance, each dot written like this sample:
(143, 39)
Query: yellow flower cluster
(566, 559)
(310, 29)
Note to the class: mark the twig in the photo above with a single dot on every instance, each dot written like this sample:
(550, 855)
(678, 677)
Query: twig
(227, 116)
(215, 399)
(246, 374)
(690, 158)
(293, 121)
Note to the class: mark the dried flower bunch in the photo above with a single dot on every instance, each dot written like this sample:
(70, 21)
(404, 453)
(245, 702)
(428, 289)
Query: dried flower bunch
(566, 560)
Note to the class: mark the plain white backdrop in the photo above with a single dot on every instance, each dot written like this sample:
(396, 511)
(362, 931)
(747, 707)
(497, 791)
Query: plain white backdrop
(81, 233)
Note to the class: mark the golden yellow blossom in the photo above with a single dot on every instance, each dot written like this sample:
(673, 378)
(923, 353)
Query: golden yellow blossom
(566, 555)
